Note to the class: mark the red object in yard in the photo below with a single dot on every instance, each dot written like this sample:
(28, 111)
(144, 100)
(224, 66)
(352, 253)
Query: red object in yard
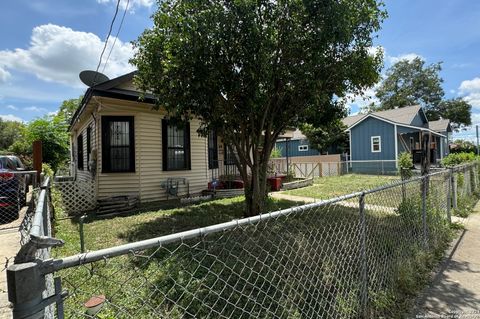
(275, 183)
(237, 184)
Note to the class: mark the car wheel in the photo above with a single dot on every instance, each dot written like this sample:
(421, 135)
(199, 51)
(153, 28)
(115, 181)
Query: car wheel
(23, 197)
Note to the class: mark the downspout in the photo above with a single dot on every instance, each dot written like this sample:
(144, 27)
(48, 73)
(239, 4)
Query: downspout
(396, 145)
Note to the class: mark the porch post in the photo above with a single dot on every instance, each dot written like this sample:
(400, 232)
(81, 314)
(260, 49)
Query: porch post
(441, 147)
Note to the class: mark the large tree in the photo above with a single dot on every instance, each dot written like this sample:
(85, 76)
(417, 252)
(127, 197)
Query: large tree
(409, 83)
(52, 130)
(250, 69)
(331, 134)
(458, 111)
(412, 82)
(10, 131)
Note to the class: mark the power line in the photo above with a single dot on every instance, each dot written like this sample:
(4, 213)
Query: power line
(106, 42)
(116, 36)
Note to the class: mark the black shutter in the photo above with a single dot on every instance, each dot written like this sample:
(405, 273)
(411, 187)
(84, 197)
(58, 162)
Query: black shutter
(188, 159)
(164, 145)
(80, 152)
(89, 145)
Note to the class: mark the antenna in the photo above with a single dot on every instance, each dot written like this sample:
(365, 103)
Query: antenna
(91, 78)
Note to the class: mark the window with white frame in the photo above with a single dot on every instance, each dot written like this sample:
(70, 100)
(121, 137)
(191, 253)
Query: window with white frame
(302, 148)
(376, 144)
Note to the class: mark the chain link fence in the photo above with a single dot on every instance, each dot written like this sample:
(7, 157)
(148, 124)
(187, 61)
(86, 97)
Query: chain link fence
(14, 189)
(354, 256)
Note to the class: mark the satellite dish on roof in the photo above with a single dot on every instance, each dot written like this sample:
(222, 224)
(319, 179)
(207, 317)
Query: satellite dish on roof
(91, 78)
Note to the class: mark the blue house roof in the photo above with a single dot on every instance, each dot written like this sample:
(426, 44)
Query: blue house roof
(410, 116)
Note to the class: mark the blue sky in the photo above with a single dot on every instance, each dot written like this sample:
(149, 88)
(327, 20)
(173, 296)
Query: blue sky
(44, 44)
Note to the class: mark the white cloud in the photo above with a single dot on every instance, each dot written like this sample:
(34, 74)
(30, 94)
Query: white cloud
(132, 4)
(409, 57)
(35, 109)
(470, 85)
(58, 54)
(470, 89)
(361, 100)
(12, 107)
(10, 117)
(4, 75)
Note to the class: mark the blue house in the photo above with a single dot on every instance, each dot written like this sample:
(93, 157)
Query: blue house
(376, 139)
(298, 145)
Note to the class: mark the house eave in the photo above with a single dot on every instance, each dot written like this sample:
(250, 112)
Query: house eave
(120, 94)
(393, 123)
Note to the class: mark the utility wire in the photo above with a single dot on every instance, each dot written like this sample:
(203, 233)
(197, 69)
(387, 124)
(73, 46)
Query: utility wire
(116, 36)
(106, 42)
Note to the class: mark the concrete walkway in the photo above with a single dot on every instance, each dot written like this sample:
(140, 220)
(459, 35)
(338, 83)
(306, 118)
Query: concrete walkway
(455, 290)
(293, 198)
(346, 203)
(9, 246)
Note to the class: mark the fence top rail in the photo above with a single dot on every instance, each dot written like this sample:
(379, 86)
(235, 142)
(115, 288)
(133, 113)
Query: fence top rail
(89, 257)
(93, 256)
(461, 166)
(37, 231)
(37, 223)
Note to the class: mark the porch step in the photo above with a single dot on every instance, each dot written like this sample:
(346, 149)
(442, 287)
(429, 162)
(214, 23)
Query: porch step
(117, 204)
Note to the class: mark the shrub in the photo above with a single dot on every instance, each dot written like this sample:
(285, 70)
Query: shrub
(47, 170)
(276, 152)
(457, 159)
(405, 164)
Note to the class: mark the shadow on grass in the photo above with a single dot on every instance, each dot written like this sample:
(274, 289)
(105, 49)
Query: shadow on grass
(301, 265)
(196, 216)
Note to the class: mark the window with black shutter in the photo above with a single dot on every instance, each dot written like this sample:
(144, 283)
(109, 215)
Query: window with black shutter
(212, 150)
(175, 146)
(229, 155)
(118, 148)
(89, 145)
(80, 152)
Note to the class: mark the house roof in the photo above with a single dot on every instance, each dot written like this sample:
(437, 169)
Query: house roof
(442, 125)
(111, 89)
(402, 115)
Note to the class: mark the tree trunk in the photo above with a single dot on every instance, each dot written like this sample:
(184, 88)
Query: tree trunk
(256, 191)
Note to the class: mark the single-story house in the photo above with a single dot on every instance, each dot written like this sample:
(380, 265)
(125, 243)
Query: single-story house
(376, 139)
(297, 145)
(126, 147)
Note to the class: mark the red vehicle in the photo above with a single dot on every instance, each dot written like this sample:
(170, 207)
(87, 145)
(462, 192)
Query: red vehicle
(13, 187)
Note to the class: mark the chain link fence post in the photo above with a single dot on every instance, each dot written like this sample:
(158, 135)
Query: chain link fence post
(424, 210)
(363, 257)
(449, 196)
(454, 188)
(25, 287)
(473, 177)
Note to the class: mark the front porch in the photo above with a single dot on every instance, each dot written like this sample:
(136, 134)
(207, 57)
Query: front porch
(412, 141)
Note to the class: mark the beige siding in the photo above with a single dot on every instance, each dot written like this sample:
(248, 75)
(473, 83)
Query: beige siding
(148, 176)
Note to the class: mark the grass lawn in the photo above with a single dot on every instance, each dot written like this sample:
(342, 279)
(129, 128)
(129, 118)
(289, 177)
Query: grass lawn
(152, 222)
(329, 187)
(289, 267)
